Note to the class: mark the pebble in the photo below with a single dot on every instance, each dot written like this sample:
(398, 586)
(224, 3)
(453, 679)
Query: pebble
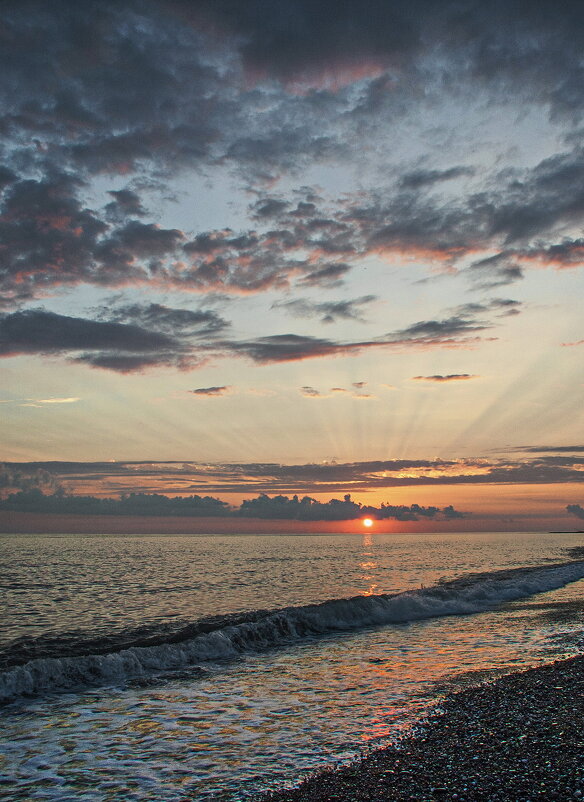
(518, 739)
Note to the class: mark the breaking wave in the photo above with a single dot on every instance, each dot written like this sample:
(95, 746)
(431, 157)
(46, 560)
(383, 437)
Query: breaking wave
(69, 662)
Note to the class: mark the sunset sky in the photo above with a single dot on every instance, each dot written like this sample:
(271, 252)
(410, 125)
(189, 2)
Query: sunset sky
(296, 246)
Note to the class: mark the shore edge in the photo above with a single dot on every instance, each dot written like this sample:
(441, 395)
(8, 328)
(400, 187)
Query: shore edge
(519, 737)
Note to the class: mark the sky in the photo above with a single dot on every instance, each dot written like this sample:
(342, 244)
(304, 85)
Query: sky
(295, 246)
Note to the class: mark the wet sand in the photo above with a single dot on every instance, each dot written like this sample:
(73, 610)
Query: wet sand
(518, 738)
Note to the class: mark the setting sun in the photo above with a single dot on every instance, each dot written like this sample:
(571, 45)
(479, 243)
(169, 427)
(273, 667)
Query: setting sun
(367, 522)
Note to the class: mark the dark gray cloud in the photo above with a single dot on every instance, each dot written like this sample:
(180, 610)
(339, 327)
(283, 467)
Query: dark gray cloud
(278, 507)
(137, 363)
(148, 91)
(309, 509)
(290, 348)
(504, 307)
(424, 178)
(127, 504)
(576, 509)
(269, 207)
(125, 203)
(50, 239)
(329, 311)
(160, 337)
(329, 276)
(567, 253)
(6, 177)
(285, 39)
(533, 51)
(135, 337)
(212, 391)
(102, 87)
(13, 477)
(439, 330)
(450, 333)
(38, 331)
(495, 271)
(175, 322)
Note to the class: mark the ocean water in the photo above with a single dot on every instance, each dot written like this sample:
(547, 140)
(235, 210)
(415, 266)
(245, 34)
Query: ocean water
(216, 667)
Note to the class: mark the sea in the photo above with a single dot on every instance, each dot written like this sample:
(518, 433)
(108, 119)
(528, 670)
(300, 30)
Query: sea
(217, 667)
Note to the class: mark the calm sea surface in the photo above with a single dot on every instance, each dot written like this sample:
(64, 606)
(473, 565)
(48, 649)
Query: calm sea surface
(214, 667)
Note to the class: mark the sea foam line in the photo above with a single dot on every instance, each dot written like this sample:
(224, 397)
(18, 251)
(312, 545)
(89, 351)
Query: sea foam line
(474, 593)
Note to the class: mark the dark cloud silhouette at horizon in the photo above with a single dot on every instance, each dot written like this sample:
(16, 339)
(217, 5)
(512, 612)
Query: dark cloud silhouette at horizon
(576, 509)
(262, 507)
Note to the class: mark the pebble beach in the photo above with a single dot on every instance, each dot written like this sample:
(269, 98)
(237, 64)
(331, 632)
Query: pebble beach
(520, 738)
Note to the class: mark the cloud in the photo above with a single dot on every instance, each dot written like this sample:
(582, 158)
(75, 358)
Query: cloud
(38, 331)
(198, 323)
(575, 509)
(532, 52)
(310, 478)
(436, 330)
(451, 332)
(290, 348)
(117, 101)
(52, 238)
(329, 312)
(125, 203)
(574, 344)
(276, 508)
(120, 347)
(154, 335)
(494, 271)
(451, 377)
(138, 363)
(310, 392)
(328, 276)
(15, 477)
(127, 504)
(538, 449)
(423, 178)
(213, 392)
(309, 509)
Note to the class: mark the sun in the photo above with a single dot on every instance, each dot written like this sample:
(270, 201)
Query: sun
(367, 522)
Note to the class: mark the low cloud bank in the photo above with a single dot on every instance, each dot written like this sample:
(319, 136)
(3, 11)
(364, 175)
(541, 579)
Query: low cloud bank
(308, 509)
(275, 508)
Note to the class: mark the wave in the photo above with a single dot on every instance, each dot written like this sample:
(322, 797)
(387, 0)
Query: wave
(70, 663)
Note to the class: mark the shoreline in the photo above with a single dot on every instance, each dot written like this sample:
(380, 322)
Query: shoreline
(517, 738)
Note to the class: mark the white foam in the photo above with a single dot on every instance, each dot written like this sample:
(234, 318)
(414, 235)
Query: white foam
(472, 594)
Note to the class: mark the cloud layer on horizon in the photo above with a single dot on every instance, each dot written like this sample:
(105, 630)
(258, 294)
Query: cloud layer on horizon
(181, 477)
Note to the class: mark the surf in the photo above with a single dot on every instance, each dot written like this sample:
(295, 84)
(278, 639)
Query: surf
(72, 662)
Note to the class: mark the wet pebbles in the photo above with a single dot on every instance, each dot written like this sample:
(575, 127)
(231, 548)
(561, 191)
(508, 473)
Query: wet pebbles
(519, 738)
